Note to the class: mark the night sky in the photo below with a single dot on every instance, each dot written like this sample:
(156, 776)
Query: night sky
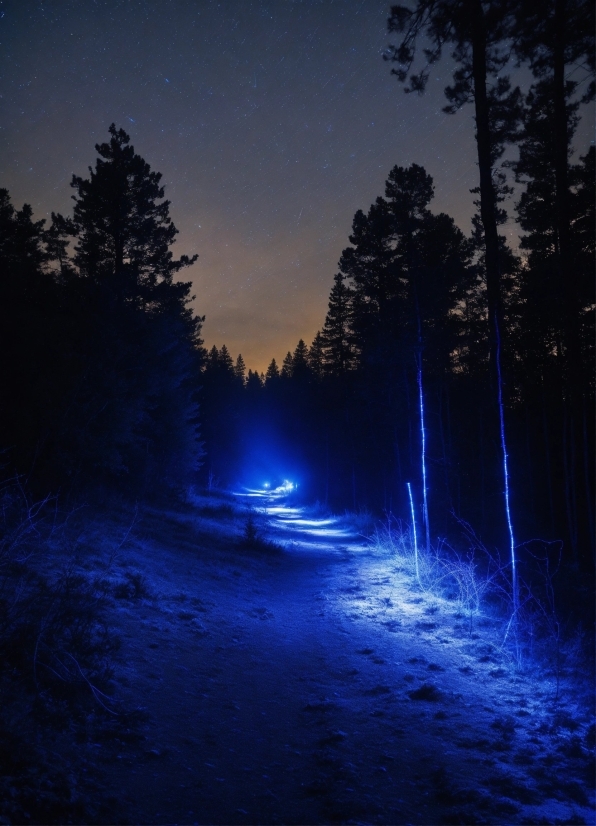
(272, 123)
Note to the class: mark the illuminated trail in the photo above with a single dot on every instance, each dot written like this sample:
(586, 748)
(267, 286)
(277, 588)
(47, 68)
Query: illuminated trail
(297, 530)
(506, 471)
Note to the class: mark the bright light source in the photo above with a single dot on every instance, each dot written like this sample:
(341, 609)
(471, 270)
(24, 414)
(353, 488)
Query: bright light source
(285, 487)
(266, 485)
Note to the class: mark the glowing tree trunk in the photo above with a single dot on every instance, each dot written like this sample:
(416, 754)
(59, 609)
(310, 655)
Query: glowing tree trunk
(414, 531)
(514, 589)
(478, 31)
(423, 458)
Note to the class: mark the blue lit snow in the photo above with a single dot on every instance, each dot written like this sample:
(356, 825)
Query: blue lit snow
(296, 529)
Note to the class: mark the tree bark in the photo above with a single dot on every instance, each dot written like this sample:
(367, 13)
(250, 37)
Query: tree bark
(487, 193)
(572, 357)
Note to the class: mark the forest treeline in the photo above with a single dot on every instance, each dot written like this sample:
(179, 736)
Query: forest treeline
(342, 417)
(104, 380)
(100, 351)
(421, 314)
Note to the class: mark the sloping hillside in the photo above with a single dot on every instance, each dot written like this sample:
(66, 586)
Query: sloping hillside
(303, 677)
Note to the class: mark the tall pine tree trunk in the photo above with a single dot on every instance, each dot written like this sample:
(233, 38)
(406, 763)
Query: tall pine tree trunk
(578, 514)
(487, 194)
(488, 217)
(548, 461)
(587, 452)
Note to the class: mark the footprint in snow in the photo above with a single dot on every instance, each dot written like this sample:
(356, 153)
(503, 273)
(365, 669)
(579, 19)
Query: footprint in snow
(333, 738)
(392, 625)
(378, 689)
(261, 613)
(427, 691)
(323, 706)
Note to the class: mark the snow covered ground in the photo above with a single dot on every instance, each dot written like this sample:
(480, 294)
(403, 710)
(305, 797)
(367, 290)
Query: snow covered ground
(310, 680)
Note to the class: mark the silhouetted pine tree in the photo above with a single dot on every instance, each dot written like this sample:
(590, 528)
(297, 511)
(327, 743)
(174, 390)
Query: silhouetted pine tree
(223, 412)
(272, 374)
(406, 272)
(31, 359)
(240, 368)
(336, 341)
(553, 369)
(478, 33)
(287, 367)
(225, 361)
(212, 360)
(254, 382)
(556, 38)
(134, 408)
(316, 356)
(300, 369)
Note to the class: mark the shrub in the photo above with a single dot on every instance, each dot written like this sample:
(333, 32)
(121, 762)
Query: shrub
(362, 522)
(252, 536)
(55, 662)
(250, 533)
(52, 629)
(477, 582)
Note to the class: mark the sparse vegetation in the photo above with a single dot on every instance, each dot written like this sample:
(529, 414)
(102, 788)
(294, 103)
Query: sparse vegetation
(52, 629)
(56, 661)
(250, 534)
(362, 522)
(194, 598)
(254, 536)
(476, 585)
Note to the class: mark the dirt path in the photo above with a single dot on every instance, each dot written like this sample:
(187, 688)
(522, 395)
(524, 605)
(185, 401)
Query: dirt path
(318, 686)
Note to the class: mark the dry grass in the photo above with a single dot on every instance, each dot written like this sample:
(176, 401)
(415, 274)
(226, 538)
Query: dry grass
(56, 662)
(476, 585)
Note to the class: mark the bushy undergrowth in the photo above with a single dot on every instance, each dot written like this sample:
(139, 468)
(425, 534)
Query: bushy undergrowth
(55, 658)
(212, 504)
(52, 629)
(362, 522)
(225, 516)
(478, 584)
(253, 535)
(319, 509)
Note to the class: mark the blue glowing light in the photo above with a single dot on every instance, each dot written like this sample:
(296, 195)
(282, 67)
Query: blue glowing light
(414, 530)
(506, 469)
(423, 435)
(271, 491)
